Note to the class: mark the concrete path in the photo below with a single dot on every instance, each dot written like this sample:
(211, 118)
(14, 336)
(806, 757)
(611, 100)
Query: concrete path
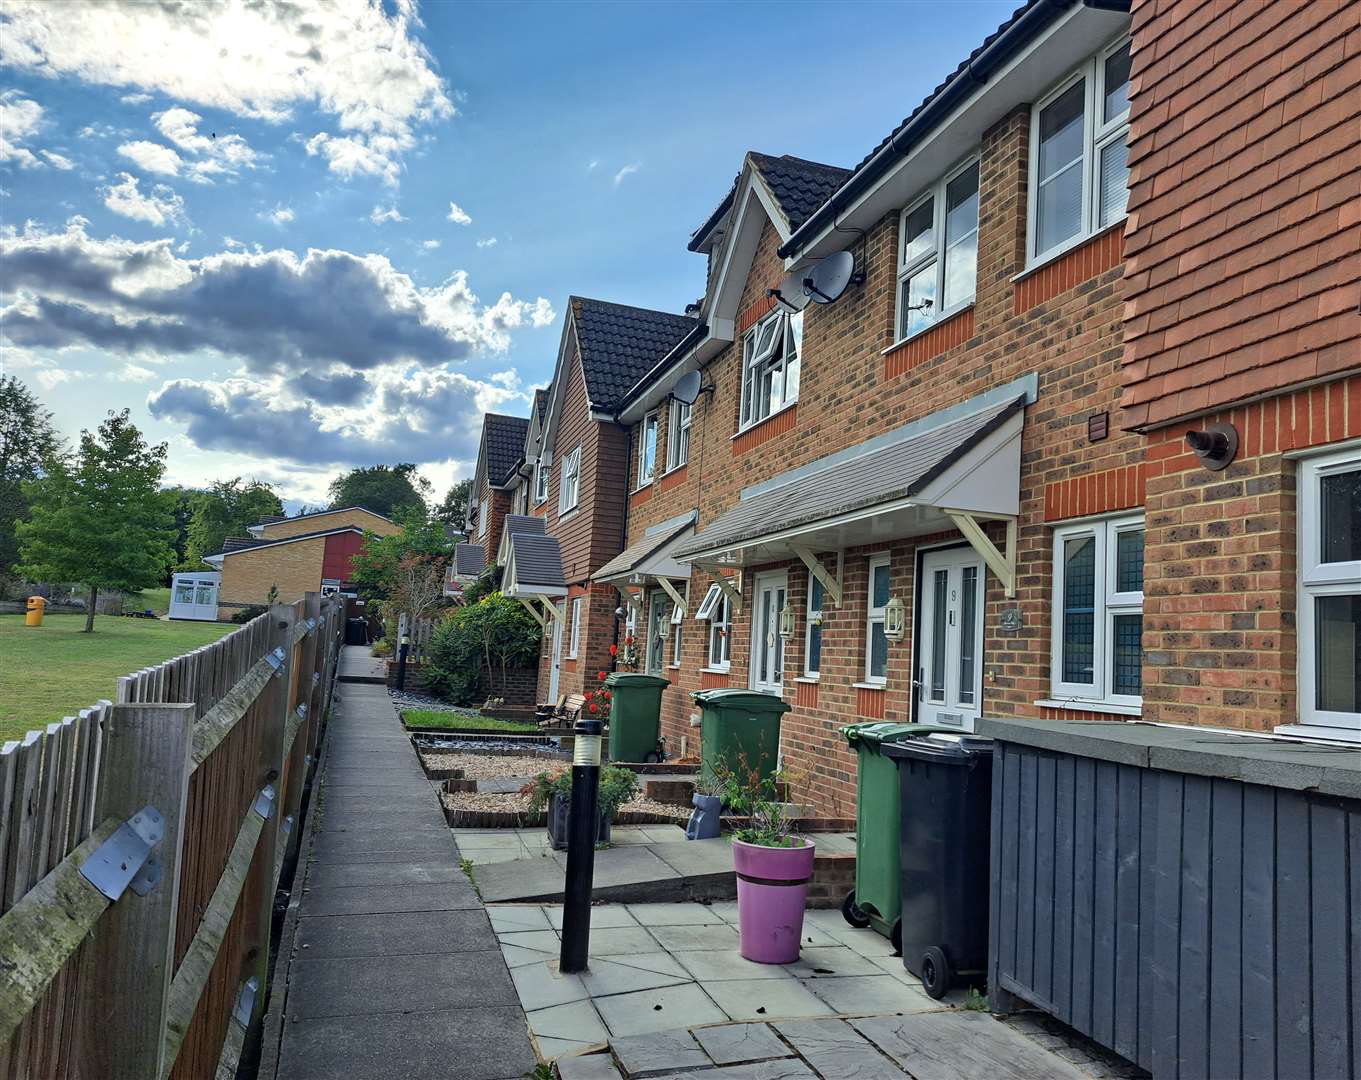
(358, 665)
(393, 970)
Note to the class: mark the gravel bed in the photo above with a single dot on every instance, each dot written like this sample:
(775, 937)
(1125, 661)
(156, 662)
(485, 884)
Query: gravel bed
(488, 766)
(486, 800)
(414, 699)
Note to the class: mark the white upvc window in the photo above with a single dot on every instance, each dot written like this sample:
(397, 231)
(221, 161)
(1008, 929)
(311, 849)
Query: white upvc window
(716, 607)
(542, 471)
(770, 365)
(482, 515)
(1329, 615)
(569, 483)
(812, 634)
(678, 435)
(677, 621)
(1098, 611)
(647, 448)
(938, 251)
(1078, 171)
(574, 640)
(876, 643)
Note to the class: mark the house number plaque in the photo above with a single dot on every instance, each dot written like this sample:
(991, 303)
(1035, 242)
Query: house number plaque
(1011, 620)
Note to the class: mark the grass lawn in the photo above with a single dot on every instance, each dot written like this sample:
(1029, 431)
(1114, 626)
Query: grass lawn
(53, 670)
(433, 718)
(156, 599)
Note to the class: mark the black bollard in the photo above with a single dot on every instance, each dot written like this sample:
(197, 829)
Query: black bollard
(583, 826)
(402, 650)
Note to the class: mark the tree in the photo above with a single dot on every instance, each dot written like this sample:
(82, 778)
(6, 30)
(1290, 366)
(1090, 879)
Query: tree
(224, 510)
(27, 439)
(454, 509)
(374, 569)
(182, 510)
(384, 489)
(476, 642)
(100, 519)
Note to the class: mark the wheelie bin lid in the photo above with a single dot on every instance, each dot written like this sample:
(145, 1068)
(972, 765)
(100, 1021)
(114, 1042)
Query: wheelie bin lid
(956, 746)
(634, 678)
(873, 735)
(733, 697)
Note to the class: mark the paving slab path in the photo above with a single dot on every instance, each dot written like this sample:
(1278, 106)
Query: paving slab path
(390, 967)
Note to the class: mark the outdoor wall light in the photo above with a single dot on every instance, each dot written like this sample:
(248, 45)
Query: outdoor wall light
(786, 622)
(1216, 446)
(663, 628)
(895, 620)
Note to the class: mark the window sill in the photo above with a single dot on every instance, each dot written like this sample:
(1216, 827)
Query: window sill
(1315, 732)
(674, 469)
(870, 685)
(717, 670)
(642, 487)
(563, 514)
(674, 667)
(763, 421)
(941, 320)
(1059, 252)
(1080, 705)
(814, 679)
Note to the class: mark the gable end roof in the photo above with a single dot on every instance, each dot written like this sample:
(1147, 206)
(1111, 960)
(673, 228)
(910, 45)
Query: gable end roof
(503, 444)
(619, 344)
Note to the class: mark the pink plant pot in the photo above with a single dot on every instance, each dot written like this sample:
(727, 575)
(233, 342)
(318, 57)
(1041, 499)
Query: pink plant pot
(772, 889)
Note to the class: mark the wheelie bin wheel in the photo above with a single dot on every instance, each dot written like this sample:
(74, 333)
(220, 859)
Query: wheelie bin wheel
(935, 970)
(895, 937)
(853, 914)
(652, 756)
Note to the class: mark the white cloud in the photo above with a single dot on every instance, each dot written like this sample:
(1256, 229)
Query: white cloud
(280, 215)
(50, 378)
(595, 164)
(152, 157)
(156, 207)
(136, 373)
(458, 215)
(136, 99)
(379, 216)
(20, 118)
(357, 62)
(486, 242)
(59, 161)
(430, 245)
(626, 171)
(208, 156)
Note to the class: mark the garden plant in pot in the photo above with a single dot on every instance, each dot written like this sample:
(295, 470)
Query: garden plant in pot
(705, 822)
(774, 868)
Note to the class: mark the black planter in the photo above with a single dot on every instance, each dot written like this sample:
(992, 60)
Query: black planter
(557, 824)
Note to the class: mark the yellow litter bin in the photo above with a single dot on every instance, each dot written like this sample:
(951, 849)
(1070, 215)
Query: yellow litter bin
(34, 614)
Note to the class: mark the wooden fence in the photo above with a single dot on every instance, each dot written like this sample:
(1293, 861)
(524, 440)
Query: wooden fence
(141, 845)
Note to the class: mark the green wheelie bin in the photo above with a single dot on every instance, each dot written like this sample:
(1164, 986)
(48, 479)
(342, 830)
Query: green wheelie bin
(739, 727)
(635, 715)
(876, 900)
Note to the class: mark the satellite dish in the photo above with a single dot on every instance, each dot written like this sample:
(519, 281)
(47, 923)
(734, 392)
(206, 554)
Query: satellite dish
(827, 279)
(686, 390)
(791, 293)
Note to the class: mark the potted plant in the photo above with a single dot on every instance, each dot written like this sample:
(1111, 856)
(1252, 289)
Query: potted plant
(554, 791)
(707, 800)
(774, 868)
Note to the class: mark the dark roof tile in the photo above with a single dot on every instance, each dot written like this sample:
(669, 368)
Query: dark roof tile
(799, 186)
(620, 344)
(503, 444)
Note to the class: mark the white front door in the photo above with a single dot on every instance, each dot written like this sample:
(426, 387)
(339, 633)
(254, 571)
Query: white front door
(767, 647)
(950, 638)
(556, 663)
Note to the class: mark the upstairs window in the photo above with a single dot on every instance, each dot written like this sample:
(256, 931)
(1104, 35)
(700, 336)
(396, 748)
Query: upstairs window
(938, 252)
(541, 475)
(569, 484)
(770, 365)
(647, 449)
(678, 435)
(1098, 611)
(1078, 171)
(482, 518)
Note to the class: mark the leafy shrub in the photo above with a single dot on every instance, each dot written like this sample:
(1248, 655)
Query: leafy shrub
(247, 613)
(617, 787)
(475, 642)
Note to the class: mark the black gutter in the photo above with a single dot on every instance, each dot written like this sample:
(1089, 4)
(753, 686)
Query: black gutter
(678, 351)
(974, 74)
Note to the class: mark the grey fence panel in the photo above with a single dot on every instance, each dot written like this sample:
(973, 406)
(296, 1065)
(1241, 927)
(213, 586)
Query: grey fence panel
(1203, 927)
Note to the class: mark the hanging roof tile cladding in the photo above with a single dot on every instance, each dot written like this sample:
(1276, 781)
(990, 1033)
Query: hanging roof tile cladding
(503, 444)
(620, 344)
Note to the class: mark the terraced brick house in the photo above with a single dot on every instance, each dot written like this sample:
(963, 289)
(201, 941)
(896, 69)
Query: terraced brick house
(578, 483)
(915, 502)
(500, 456)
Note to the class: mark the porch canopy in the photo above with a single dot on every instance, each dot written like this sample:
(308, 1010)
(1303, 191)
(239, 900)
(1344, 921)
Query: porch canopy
(469, 561)
(954, 469)
(650, 559)
(517, 523)
(532, 573)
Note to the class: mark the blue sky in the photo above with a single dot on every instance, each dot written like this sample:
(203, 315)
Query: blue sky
(297, 239)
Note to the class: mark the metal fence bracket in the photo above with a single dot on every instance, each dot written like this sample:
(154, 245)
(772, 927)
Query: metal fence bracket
(245, 1001)
(316, 677)
(301, 710)
(287, 824)
(125, 857)
(276, 659)
(264, 802)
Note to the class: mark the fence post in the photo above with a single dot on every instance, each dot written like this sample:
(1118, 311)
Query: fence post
(145, 761)
(312, 647)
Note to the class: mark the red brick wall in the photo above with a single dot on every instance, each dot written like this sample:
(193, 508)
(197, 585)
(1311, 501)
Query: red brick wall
(1068, 333)
(1242, 273)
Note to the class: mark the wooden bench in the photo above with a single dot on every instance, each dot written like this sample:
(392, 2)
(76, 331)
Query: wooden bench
(564, 713)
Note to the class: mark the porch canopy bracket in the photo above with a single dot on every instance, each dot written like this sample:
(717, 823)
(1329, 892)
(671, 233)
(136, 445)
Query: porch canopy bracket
(830, 585)
(672, 592)
(548, 610)
(1001, 564)
(724, 582)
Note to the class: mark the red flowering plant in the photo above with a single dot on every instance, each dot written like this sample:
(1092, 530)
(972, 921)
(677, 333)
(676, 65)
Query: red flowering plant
(598, 701)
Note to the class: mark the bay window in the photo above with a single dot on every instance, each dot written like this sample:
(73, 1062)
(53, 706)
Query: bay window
(938, 251)
(1078, 170)
(678, 435)
(876, 643)
(1329, 616)
(770, 365)
(1098, 611)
